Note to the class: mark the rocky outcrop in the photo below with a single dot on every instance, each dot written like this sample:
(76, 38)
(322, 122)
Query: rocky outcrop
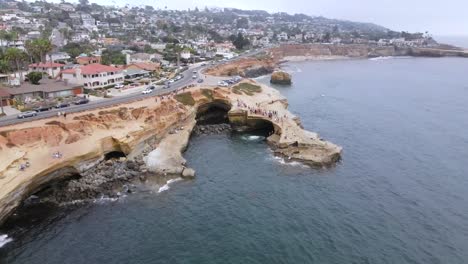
(281, 77)
(246, 67)
(211, 129)
(152, 134)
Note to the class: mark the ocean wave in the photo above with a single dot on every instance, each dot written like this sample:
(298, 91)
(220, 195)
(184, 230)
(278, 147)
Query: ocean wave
(389, 58)
(382, 58)
(4, 239)
(285, 162)
(166, 187)
(252, 137)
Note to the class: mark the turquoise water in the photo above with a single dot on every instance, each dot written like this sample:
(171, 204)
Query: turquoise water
(398, 196)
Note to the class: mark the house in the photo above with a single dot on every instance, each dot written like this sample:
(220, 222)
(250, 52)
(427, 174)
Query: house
(67, 7)
(283, 36)
(93, 76)
(136, 74)
(140, 57)
(80, 37)
(185, 55)
(47, 88)
(85, 60)
(4, 95)
(147, 66)
(33, 35)
(51, 68)
(58, 57)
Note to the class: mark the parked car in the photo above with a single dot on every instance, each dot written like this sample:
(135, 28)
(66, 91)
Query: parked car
(147, 91)
(62, 105)
(119, 85)
(200, 81)
(27, 114)
(223, 84)
(42, 108)
(81, 101)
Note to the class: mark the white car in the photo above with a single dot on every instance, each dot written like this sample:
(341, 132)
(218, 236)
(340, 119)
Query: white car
(194, 76)
(27, 114)
(119, 85)
(147, 91)
(223, 84)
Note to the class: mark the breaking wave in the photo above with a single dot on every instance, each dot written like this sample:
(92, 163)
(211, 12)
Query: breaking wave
(166, 187)
(4, 239)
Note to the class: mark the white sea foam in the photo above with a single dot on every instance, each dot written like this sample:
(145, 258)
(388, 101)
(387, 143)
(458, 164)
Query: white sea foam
(285, 162)
(166, 187)
(4, 239)
(381, 58)
(252, 137)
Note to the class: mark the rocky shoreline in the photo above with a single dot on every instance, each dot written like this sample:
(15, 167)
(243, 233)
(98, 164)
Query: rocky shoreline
(214, 129)
(112, 178)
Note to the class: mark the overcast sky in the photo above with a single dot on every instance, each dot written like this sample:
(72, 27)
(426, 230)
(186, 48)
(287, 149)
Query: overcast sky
(449, 17)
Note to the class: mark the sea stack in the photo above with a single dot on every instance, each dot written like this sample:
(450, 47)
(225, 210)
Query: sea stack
(280, 77)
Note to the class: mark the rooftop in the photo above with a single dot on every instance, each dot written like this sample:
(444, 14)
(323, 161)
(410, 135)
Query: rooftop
(45, 85)
(93, 69)
(47, 65)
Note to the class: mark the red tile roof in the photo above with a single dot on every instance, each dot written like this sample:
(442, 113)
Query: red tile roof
(4, 93)
(46, 65)
(93, 69)
(87, 58)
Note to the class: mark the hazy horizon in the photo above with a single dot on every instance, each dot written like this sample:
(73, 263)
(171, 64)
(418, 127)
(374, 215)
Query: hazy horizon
(398, 15)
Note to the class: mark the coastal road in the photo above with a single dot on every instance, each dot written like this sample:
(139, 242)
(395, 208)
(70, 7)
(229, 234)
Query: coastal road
(186, 80)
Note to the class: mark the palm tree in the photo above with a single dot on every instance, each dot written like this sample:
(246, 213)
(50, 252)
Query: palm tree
(16, 56)
(45, 46)
(31, 50)
(4, 68)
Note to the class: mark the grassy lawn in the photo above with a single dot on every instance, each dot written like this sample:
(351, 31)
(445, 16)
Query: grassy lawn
(247, 88)
(185, 98)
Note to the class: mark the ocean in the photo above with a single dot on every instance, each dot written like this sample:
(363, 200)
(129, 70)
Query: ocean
(399, 195)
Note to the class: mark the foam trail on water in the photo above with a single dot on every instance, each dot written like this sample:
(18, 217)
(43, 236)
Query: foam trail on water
(4, 239)
(166, 187)
(283, 161)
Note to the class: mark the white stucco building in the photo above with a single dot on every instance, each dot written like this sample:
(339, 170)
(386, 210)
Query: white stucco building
(51, 68)
(93, 76)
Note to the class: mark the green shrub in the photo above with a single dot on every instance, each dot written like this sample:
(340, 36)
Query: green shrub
(247, 88)
(34, 77)
(185, 98)
(207, 93)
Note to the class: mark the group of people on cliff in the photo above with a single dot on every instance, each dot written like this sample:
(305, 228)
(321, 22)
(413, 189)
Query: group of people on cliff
(271, 114)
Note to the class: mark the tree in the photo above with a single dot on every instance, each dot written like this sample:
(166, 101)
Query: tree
(7, 37)
(34, 77)
(38, 49)
(242, 23)
(240, 42)
(16, 56)
(113, 57)
(4, 66)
